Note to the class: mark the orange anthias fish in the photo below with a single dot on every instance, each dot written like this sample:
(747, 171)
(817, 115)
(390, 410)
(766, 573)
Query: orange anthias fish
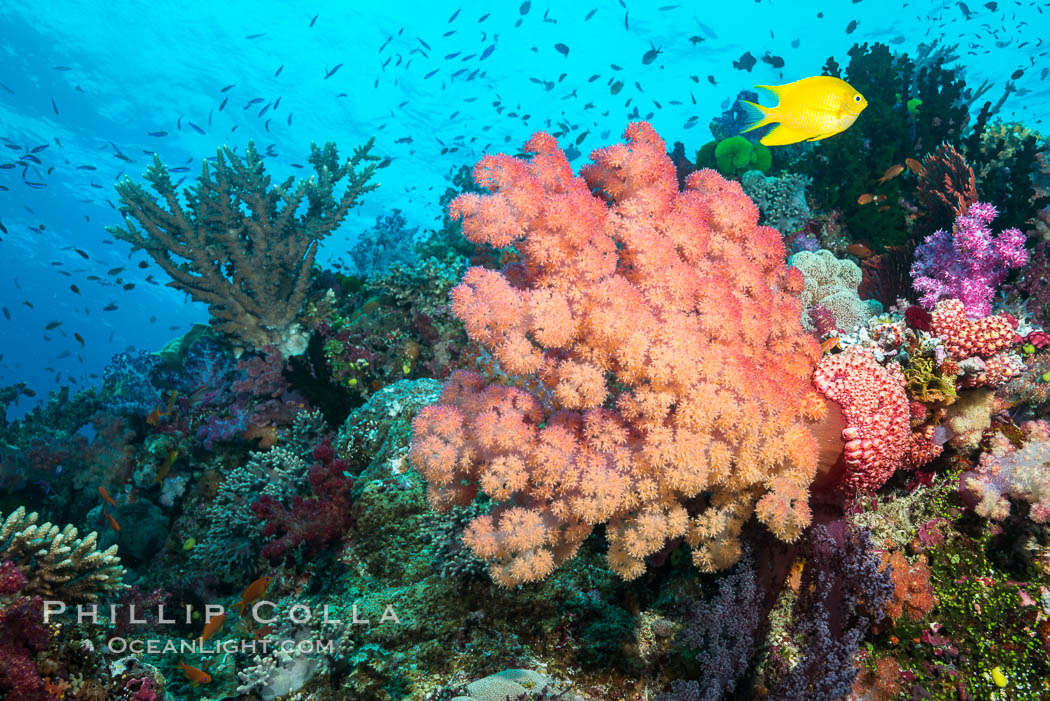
(255, 590)
(197, 676)
(105, 495)
(113, 523)
(914, 166)
(891, 173)
(212, 627)
(866, 198)
(830, 345)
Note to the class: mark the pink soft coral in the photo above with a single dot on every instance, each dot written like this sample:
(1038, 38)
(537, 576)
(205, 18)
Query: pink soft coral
(658, 335)
(968, 264)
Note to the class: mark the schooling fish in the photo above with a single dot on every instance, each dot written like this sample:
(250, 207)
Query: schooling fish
(105, 496)
(810, 109)
(891, 173)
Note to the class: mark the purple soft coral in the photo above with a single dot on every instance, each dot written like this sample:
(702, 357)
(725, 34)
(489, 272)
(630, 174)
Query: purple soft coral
(969, 263)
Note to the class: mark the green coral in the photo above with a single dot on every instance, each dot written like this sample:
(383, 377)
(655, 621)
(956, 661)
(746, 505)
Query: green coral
(734, 156)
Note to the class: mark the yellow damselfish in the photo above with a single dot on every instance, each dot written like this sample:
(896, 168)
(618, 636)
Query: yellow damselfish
(807, 110)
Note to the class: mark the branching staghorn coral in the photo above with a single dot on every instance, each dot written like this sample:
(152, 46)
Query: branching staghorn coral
(240, 244)
(57, 564)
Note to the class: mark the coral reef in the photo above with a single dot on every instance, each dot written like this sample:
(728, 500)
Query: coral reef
(239, 244)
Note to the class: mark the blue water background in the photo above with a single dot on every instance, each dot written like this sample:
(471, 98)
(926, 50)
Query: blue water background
(140, 67)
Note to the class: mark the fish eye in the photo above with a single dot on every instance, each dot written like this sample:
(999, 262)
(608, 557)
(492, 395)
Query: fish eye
(856, 98)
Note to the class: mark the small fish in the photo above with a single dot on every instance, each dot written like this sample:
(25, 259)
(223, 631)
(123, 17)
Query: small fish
(314, 20)
(1017, 74)
(487, 52)
(745, 62)
(650, 56)
(213, 624)
(109, 307)
(860, 250)
(254, 591)
(61, 68)
(829, 345)
(158, 134)
(774, 61)
(279, 69)
(851, 26)
(562, 49)
(165, 467)
(329, 73)
(113, 523)
(7, 313)
(255, 36)
(74, 289)
(196, 128)
(891, 173)
(866, 198)
(52, 325)
(80, 339)
(196, 676)
(224, 101)
(105, 495)
(86, 167)
(914, 166)
(810, 109)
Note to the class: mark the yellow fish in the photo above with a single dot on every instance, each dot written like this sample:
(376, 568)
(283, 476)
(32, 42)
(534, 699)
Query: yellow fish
(807, 110)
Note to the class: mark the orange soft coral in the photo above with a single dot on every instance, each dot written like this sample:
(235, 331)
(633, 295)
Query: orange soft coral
(661, 330)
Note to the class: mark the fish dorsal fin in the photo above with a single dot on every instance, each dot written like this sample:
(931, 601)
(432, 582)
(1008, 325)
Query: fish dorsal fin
(775, 89)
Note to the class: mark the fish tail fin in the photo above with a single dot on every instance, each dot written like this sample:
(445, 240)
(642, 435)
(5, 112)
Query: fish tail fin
(757, 115)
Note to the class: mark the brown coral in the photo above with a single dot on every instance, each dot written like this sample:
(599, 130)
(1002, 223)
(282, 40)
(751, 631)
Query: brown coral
(240, 244)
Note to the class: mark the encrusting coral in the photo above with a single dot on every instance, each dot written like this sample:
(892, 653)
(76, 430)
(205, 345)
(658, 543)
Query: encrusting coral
(626, 414)
(240, 244)
(56, 563)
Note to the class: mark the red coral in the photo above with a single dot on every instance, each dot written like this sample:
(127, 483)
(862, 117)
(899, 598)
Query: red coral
(310, 521)
(22, 635)
(875, 407)
(12, 580)
(144, 690)
(965, 338)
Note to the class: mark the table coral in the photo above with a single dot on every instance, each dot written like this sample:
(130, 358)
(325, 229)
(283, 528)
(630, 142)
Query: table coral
(240, 244)
(660, 335)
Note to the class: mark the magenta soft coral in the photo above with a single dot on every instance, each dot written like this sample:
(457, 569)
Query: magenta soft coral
(969, 263)
(310, 521)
